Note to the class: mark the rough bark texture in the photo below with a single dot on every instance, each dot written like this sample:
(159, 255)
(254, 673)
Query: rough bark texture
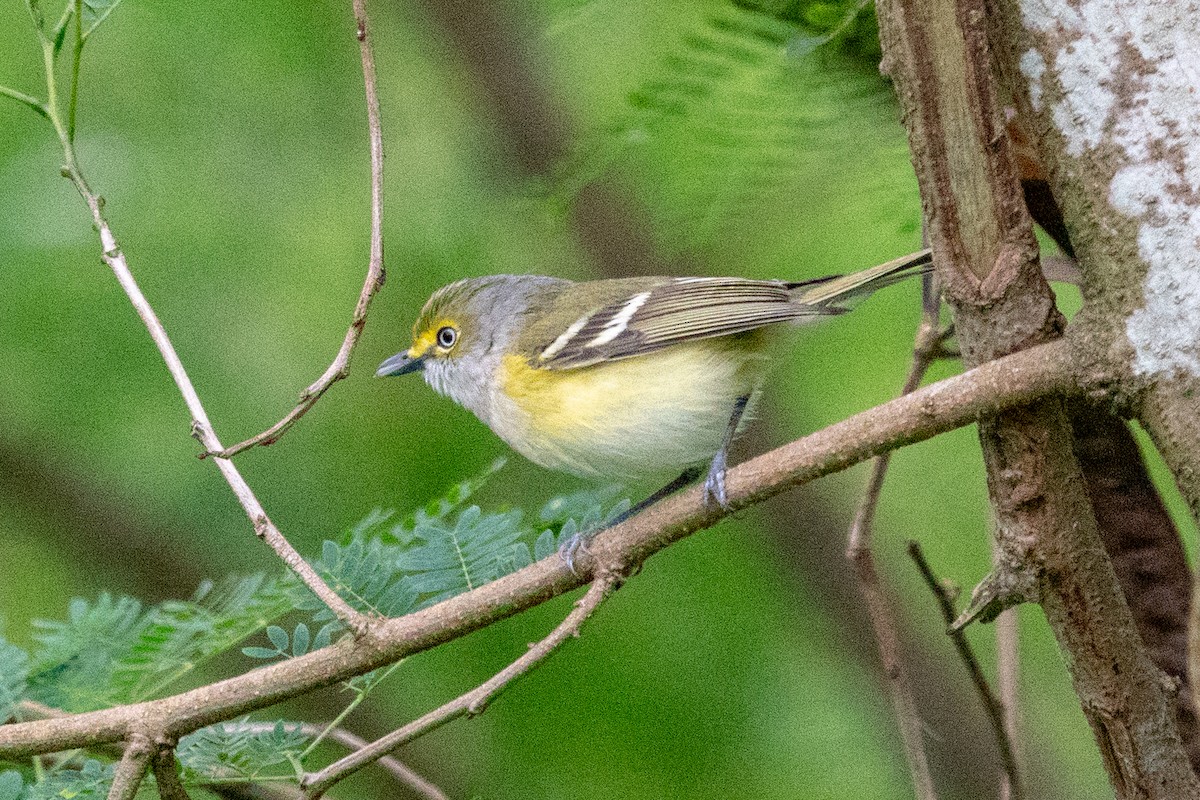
(1144, 547)
(1050, 550)
(1112, 89)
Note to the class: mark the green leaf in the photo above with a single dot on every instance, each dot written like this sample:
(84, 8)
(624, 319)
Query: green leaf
(300, 640)
(91, 782)
(240, 750)
(723, 130)
(14, 670)
(278, 636)
(11, 784)
(114, 651)
(261, 652)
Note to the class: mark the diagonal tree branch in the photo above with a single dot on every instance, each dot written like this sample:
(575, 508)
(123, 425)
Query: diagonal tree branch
(131, 769)
(987, 390)
(475, 701)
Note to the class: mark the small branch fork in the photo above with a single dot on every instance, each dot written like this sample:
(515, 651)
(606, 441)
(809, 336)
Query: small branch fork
(992, 704)
(339, 369)
(131, 769)
(475, 701)
(202, 429)
(928, 347)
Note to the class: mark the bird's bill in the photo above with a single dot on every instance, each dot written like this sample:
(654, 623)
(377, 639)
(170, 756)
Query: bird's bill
(400, 364)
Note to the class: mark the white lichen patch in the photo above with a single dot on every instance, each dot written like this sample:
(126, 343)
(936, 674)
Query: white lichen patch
(1128, 76)
(1033, 67)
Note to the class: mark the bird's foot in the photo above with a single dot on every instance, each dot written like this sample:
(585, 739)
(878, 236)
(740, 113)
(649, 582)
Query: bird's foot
(714, 484)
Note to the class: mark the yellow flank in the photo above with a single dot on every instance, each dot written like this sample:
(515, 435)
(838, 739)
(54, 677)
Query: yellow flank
(423, 341)
(638, 416)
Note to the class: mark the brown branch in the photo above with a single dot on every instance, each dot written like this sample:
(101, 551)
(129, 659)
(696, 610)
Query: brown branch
(938, 56)
(401, 772)
(201, 428)
(339, 369)
(475, 701)
(166, 775)
(859, 553)
(989, 389)
(131, 769)
(1144, 546)
(1007, 663)
(993, 707)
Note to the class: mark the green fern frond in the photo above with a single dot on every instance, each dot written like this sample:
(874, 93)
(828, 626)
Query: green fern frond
(239, 751)
(455, 497)
(14, 670)
(113, 651)
(726, 126)
(364, 573)
(90, 782)
(443, 560)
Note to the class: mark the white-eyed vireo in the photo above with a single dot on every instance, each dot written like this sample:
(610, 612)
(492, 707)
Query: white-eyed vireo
(619, 378)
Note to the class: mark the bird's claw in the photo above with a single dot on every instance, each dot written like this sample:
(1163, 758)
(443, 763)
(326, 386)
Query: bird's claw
(714, 484)
(572, 547)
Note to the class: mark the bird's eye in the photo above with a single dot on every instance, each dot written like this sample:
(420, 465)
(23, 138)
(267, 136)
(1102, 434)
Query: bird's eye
(446, 337)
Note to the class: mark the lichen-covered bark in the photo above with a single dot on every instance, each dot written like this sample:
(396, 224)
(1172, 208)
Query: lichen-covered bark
(937, 52)
(1113, 89)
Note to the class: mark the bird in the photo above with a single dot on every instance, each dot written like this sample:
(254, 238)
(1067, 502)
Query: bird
(623, 378)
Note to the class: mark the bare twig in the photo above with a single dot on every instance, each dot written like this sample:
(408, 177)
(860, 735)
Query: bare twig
(131, 768)
(1008, 660)
(202, 429)
(991, 388)
(163, 764)
(403, 773)
(993, 707)
(926, 349)
(475, 701)
(339, 369)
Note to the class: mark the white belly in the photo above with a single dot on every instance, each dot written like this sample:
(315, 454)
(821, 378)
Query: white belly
(641, 416)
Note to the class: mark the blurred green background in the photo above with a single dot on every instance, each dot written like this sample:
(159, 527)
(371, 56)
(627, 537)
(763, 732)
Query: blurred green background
(230, 142)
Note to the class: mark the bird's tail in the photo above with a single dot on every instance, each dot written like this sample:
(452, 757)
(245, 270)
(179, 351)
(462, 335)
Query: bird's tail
(834, 290)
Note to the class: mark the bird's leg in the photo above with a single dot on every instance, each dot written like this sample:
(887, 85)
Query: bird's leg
(569, 548)
(714, 484)
(714, 487)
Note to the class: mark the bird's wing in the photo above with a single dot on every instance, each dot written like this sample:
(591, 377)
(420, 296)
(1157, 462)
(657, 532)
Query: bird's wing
(680, 310)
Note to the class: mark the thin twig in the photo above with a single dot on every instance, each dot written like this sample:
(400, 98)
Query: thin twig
(1007, 665)
(994, 708)
(473, 702)
(166, 776)
(403, 773)
(131, 768)
(29, 100)
(1048, 370)
(339, 369)
(202, 429)
(927, 347)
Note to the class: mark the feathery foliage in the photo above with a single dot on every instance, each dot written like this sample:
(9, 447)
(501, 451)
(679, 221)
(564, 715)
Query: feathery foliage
(115, 651)
(240, 751)
(89, 782)
(14, 669)
(726, 122)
